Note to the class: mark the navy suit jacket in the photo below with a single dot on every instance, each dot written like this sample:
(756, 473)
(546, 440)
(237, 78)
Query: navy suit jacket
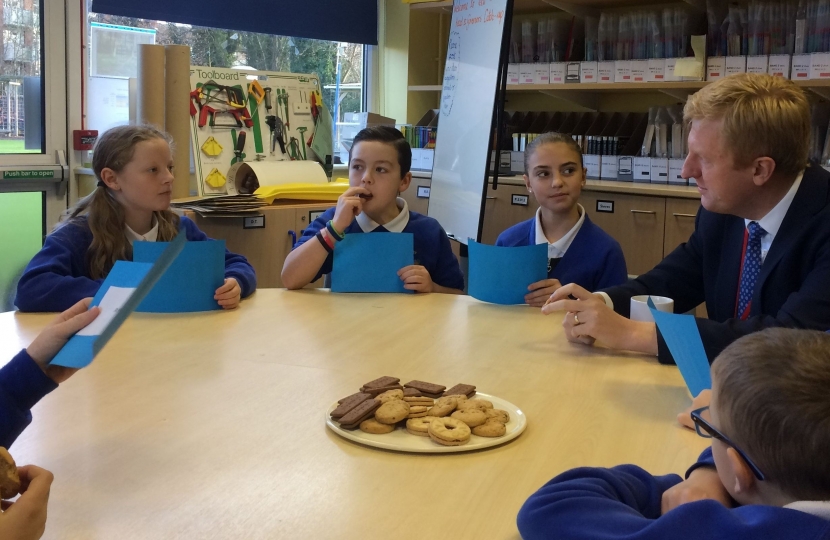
(793, 289)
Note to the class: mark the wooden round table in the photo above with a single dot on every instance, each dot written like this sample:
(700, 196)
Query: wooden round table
(211, 425)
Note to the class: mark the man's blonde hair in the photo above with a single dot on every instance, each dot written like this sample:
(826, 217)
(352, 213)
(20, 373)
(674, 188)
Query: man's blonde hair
(763, 116)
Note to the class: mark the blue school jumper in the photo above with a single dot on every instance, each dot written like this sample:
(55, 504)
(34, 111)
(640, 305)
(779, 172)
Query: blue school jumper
(58, 276)
(593, 261)
(432, 247)
(22, 384)
(624, 503)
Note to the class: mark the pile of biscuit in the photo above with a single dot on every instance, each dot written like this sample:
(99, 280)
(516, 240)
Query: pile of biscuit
(447, 416)
(9, 478)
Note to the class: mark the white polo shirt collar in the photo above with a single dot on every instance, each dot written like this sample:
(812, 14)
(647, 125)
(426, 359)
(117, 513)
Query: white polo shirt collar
(398, 224)
(817, 508)
(151, 236)
(557, 249)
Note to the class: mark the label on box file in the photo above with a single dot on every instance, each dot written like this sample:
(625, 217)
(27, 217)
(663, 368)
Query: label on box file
(557, 72)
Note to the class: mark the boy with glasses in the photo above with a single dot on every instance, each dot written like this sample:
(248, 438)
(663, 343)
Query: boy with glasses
(766, 475)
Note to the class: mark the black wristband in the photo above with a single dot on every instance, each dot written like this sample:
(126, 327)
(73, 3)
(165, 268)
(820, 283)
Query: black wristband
(319, 236)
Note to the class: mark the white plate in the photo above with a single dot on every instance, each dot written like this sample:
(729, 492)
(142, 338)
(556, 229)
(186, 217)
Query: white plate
(402, 441)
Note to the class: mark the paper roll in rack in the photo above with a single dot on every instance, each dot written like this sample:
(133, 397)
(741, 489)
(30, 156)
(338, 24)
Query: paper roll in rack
(247, 177)
(150, 106)
(177, 115)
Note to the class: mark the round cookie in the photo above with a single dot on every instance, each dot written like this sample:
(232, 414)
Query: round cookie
(443, 406)
(497, 414)
(9, 479)
(449, 431)
(419, 426)
(458, 397)
(417, 411)
(471, 417)
(392, 412)
(390, 395)
(480, 404)
(373, 426)
(491, 428)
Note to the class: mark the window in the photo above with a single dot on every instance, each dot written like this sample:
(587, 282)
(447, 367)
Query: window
(114, 50)
(21, 121)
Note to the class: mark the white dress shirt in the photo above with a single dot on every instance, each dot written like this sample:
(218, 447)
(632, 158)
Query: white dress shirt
(772, 221)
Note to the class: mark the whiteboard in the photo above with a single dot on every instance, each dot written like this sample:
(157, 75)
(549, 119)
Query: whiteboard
(465, 123)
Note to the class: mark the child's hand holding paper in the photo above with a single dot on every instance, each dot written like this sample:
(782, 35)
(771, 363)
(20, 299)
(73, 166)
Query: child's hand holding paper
(52, 339)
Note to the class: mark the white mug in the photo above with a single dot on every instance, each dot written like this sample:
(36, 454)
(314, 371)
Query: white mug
(640, 310)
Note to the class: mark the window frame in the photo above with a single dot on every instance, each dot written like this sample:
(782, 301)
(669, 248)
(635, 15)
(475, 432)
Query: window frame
(53, 93)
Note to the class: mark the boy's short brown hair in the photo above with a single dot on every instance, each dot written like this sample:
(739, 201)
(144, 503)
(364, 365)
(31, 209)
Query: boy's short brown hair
(391, 136)
(762, 116)
(773, 400)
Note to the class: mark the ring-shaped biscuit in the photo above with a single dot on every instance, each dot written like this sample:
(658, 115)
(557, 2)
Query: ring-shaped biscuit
(419, 426)
(449, 431)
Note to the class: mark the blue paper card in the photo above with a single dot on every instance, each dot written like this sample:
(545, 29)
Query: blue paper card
(370, 262)
(190, 282)
(684, 342)
(500, 275)
(124, 288)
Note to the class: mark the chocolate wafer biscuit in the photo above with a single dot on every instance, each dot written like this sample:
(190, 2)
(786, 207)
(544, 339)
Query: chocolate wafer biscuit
(382, 381)
(339, 401)
(427, 389)
(468, 390)
(411, 392)
(349, 403)
(353, 418)
(381, 389)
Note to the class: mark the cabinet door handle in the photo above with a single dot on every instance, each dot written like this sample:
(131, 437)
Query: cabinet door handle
(293, 236)
(675, 214)
(490, 198)
(644, 212)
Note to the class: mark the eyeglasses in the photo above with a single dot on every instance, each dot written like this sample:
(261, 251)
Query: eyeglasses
(708, 431)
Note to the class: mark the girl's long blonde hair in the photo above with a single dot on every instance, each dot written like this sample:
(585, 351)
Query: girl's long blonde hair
(104, 215)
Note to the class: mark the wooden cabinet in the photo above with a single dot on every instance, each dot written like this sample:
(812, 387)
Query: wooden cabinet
(502, 210)
(635, 221)
(265, 248)
(680, 222)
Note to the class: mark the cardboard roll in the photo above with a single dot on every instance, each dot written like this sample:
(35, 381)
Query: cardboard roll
(247, 177)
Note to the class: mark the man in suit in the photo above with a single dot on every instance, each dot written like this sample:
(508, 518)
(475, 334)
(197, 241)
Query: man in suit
(760, 253)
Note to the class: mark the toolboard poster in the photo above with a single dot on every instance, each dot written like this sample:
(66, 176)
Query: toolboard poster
(244, 115)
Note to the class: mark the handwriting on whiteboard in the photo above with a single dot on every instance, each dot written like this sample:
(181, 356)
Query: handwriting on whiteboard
(477, 12)
(451, 73)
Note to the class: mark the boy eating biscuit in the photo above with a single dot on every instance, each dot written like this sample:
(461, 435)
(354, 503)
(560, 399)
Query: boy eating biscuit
(379, 163)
